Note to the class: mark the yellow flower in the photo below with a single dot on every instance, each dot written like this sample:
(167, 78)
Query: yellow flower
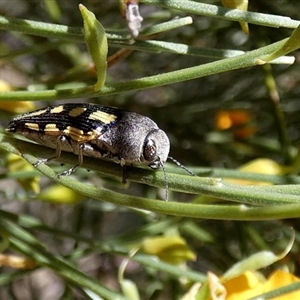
(239, 121)
(261, 166)
(18, 107)
(172, 249)
(251, 284)
(16, 262)
(60, 194)
(245, 286)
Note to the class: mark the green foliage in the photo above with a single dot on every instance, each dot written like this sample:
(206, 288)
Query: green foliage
(190, 61)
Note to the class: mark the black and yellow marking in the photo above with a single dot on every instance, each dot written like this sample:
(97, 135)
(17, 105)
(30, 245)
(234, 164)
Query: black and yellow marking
(81, 122)
(70, 127)
(97, 131)
(36, 113)
(78, 135)
(102, 117)
(32, 126)
(77, 111)
(52, 129)
(57, 109)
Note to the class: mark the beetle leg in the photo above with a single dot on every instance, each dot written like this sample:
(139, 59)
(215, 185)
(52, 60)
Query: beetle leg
(57, 154)
(124, 174)
(80, 161)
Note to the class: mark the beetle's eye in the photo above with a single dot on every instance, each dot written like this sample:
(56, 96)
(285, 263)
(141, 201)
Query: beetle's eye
(149, 150)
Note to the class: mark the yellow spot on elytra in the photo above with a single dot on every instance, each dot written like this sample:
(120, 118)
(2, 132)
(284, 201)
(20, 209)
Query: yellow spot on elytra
(51, 129)
(33, 126)
(77, 111)
(78, 135)
(102, 117)
(57, 109)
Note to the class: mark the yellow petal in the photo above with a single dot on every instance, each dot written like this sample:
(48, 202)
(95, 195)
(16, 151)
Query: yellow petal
(261, 166)
(60, 194)
(264, 166)
(251, 284)
(245, 286)
(170, 249)
(279, 279)
(18, 107)
(16, 262)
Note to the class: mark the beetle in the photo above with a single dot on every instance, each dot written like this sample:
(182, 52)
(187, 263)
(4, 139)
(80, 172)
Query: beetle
(98, 131)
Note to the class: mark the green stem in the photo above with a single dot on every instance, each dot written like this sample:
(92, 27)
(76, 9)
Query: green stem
(255, 195)
(249, 59)
(225, 13)
(75, 34)
(40, 28)
(168, 268)
(279, 119)
(26, 243)
(225, 212)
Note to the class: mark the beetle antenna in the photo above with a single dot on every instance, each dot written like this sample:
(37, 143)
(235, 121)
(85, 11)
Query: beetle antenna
(181, 166)
(165, 179)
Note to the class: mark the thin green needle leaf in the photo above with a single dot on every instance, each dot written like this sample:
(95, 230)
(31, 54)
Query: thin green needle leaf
(293, 43)
(96, 42)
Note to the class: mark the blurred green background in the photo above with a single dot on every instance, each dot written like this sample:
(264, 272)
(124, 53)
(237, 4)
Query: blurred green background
(187, 111)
